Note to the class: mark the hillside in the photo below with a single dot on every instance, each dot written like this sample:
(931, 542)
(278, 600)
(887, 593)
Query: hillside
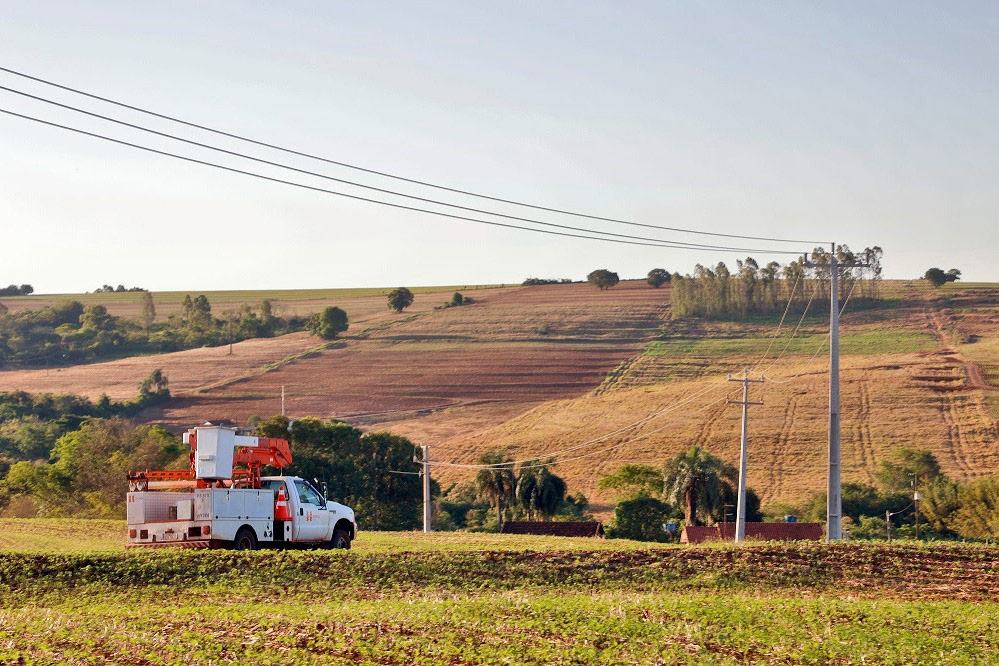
(568, 368)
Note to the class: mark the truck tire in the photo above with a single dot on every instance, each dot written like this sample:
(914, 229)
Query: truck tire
(340, 539)
(245, 539)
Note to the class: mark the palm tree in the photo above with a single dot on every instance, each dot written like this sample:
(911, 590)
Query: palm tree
(697, 480)
(539, 490)
(495, 483)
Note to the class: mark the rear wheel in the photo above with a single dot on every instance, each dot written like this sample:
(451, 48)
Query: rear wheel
(340, 539)
(246, 539)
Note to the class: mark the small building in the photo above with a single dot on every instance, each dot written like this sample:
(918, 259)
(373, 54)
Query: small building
(754, 532)
(583, 528)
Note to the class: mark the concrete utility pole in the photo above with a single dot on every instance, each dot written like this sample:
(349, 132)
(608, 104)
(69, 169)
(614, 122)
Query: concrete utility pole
(740, 509)
(427, 504)
(834, 503)
(282, 400)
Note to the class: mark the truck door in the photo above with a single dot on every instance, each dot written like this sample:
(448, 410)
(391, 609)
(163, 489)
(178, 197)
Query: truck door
(311, 519)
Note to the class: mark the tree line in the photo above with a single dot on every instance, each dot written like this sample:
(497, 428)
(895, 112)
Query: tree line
(70, 332)
(756, 289)
(15, 290)
(503, 491)
(697, 488)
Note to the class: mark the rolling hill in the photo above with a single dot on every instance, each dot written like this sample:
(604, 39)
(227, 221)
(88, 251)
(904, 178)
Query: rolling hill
(567, 370)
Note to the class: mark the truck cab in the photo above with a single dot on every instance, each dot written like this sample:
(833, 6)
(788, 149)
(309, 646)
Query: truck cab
(310, 517)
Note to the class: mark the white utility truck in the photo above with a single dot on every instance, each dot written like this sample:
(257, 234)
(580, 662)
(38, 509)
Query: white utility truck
(223, 501)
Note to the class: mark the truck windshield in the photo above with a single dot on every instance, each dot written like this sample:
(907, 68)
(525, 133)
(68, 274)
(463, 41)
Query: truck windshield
(307, 493)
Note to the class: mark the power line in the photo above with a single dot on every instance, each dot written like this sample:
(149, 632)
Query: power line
(787, 308)
(640, 422)
(378, 189)
(821, 347)
(328, 191)
(344, 194)
(391, 175)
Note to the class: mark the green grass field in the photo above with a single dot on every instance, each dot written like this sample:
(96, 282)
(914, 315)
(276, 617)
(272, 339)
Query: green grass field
(409, 598)
(878, 341)
(242, 295)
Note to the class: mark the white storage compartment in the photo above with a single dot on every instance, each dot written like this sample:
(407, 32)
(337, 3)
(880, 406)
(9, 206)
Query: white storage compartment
(236, 504)
(185, 509)
(154, 506)
(213, 459)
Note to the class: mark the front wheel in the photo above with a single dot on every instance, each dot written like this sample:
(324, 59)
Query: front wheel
(340, 539)
(246, 539)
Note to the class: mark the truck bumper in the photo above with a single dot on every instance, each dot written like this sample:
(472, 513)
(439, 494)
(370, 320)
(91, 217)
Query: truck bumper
(202, 543)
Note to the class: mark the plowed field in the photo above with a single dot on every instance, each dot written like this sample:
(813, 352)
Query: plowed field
(568, 370)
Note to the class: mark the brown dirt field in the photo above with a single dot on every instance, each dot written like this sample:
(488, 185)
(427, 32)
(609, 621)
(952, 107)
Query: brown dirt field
(496, 357)
(542, 369)
(197, 369)
(884, 406)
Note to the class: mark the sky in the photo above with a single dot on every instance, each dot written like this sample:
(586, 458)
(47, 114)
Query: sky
(866, 123)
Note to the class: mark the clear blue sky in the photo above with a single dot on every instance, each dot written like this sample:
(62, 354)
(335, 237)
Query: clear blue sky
(866, 123)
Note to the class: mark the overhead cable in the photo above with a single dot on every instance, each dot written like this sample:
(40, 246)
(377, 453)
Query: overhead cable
(344, 194)
(380, 189)
(386, 174)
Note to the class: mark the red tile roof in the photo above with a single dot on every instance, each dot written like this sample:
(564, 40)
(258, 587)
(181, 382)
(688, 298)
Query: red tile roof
(755, 532)
(554, 528)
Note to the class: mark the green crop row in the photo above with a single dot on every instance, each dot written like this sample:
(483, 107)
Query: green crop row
(906, 569)
(541, 628)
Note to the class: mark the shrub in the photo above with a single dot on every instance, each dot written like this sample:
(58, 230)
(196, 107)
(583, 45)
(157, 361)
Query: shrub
(642, 519)
(328, 323)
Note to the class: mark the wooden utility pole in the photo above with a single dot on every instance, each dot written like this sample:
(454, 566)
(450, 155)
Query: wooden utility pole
(834, 502)
(740, 507)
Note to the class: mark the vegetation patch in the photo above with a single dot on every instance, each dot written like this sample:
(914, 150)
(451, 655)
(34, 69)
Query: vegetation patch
(873, 342)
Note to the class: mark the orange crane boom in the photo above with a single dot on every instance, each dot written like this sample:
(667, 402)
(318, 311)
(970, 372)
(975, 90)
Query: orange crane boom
(272, 451)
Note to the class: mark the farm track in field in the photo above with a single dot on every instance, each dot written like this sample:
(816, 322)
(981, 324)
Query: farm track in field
(781, 452)
(863, 431)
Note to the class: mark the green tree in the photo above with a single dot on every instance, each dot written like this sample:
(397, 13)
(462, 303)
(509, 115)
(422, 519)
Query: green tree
(148, 309)
(328, 323)
(154, 386)
(603, 278)
(939, 500)
(859, 499)
(657, 277)
(642, 519)
(935, 276)
(201, 311)
(696, 480)
(456, 299)
(187, 307)
(634, 481)
(86, 477)
(539, 491)
(977, 515)
(400, 299)
(358, 469)
(96, 317)
(896, 475)
(496, 483)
